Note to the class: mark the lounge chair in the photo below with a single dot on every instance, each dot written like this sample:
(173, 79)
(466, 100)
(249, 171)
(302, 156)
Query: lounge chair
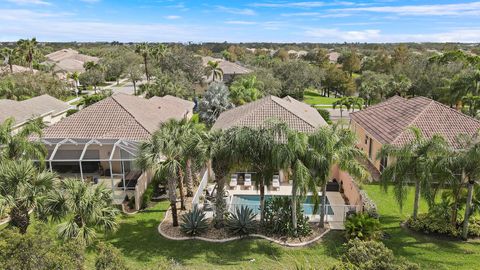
(233, 181)
(248, 180)
(276, 182)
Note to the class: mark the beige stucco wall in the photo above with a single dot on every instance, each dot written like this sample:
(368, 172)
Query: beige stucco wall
(376, 145)
(349, 187)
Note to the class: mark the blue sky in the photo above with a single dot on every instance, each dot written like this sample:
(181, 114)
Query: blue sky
(241, 21)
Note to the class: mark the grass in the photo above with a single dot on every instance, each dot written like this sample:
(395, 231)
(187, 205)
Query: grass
(428, 251)
(314, 98)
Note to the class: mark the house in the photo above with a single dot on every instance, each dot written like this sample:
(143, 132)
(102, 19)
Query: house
(5, 69)
(388, 123)
(69, 61)
(297, 115)
(230, 70)
(99, 143)
(50, 109)
(169, 100)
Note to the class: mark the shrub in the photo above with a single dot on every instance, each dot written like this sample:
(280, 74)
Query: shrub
(474, 228)
(194, 222)
(147, 196)
(362, 226)
(371, 255)
(369, 206)
(278, 218)
(109, 258)
(325, 115)
(241, 222)
(428, 223)
(71, 111)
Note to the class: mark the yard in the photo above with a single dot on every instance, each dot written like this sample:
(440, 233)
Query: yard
(314, 98)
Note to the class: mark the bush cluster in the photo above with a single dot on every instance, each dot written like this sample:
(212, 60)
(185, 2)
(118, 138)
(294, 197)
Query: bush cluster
(362, 226)
(278, 218)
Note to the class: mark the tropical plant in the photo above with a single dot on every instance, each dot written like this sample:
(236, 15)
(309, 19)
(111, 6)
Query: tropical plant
(144, 51)
(109, 258)
(325, 115)
(215, 101)
(194, 222)
(242, 221)
(244, 90)
(279, 221)
(88, 100)
(82, 209)
(17, 145)
(28, 49)
(213, 69)
(343, 102)
(75, 76)
(8, 55)
(362, 226)
(414, 163)
(357, 102)
(92, 77)
(23, 189)
(335, 146)
(193, 151)
(473, 104)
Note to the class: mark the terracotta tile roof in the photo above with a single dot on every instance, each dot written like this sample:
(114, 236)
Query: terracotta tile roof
(227, 66)
(296, 114)
(34, 107)
(388, 121)
(168, 99)
(70, 60)
(120, 116)
(16, 69)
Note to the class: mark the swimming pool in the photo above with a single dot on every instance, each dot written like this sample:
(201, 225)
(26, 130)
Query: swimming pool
(253, 202)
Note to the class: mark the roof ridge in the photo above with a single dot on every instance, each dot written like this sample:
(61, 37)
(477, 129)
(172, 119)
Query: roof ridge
(125, 109)
(431, 101)
(293, 113)
(251, 104)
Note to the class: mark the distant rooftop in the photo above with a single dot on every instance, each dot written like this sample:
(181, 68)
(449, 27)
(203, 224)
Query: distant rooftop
(388, 121)
(227, 66)
(172, 100)
(297, 115)
(70, 60)
(16, 69)
(25, 110)
(120, 116)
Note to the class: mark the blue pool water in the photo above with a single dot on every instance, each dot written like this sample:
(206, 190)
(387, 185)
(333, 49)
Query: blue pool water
(253, 202)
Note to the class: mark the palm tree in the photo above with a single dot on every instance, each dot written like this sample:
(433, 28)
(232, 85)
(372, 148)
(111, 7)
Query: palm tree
(23, 187)
(17, 145)
(414, 163)
(213, 69)
(8, 55)
(159, 52)
(357, 102)
(342, 102)
(28, 47)
(75, 77)
(193, 150)
(83, 208)
(162, 154)
(144, 51)
(334, 146)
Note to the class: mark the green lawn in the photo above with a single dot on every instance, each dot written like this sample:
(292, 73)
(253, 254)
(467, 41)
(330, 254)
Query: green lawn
(429, 252)
(313, 98)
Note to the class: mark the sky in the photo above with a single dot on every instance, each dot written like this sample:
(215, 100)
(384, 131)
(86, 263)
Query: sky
(241, 21)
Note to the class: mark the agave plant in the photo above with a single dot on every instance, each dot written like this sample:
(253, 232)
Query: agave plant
(194, 222)
(241, 221)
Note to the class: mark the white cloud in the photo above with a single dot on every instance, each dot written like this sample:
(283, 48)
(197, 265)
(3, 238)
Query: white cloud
(472, 8)
(339, 35)
(30, 2)
(316, 15)
(172, 17)
(241, 22)
(238, 11)
(302, 4)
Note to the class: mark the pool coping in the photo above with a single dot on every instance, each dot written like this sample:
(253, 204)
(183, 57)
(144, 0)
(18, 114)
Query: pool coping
(282, 243)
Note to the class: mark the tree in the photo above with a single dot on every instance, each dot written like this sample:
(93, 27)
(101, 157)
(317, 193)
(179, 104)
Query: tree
(244, 90)
(144, 51)
(399, 85)
(372, 86)
(134, 74)
(400, 54)
(296, 76)
(193, 150)
(28, 48)
(82, 208)
(266, 82)
(8, 55)
(162, 154)
(17, 145)
(213, 69)
(357, 102)
(23, 188)
(282, 54)
(92, 77)
(109, 258)
(166, 83)
(351, 61)
(473, 103)
(215, 101)
(337, 81)
(343, 102)
(75, 76)
(335, 146)
(159, 52)
(414, 163)
(318, 57)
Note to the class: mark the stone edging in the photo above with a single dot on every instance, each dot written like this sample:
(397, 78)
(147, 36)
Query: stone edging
(128, 213)
(237, 237)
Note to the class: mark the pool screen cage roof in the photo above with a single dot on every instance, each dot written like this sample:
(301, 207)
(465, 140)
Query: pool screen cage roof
(69, 150)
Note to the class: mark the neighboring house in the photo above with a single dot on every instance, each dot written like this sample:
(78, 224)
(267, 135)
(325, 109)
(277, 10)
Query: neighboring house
(333, 57)
(16, 69)
(388, 123)
(99, 143)
(50, 109)
(297, 115)
(230, 70)
(69, 61)
(169, 100)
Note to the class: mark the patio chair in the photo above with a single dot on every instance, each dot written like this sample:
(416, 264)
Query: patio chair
(248, 181)
(276, 182)
(233, 181)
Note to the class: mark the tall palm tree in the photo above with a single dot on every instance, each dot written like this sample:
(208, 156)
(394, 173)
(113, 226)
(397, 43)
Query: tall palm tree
(213, 69)
(162, 154)
(343, 102)
(22, 188)
(144, 51)
(193, 150)
(159, 52)
(28, 47)
(17, 145)
(75, 77)
(335, 146)
(357, 102)
(415, 162)
(8, 55)
(83, 208)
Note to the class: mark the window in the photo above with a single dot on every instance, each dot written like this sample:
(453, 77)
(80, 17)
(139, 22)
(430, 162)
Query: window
(366, 139)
